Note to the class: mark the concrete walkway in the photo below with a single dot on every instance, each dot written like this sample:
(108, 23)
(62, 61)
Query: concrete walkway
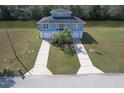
(86, 65)
(40, 67)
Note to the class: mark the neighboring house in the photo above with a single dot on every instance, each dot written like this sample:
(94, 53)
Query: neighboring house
(58, 21)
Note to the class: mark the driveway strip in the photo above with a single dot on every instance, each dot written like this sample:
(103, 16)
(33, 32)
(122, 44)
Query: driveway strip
(40, 67)
(86, 65)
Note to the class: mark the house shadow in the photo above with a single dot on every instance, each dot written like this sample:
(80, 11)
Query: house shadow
(6, 81)
(88, 39)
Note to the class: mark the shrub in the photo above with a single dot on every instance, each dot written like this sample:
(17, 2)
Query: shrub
(63, 38)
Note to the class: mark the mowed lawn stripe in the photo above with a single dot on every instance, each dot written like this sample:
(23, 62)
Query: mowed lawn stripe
(62, 63)
(23, 41)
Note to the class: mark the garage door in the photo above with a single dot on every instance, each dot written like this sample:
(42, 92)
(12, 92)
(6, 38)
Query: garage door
(76, 35)
(47, 35)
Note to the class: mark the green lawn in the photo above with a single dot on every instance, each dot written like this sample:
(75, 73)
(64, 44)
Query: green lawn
(104, 23)
(33, 24)
(23, 41)
(61, 63)
(109, 36)
(18, 24)
(109, 56)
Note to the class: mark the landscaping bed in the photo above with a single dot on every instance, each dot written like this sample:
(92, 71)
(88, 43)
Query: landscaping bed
(62, 56)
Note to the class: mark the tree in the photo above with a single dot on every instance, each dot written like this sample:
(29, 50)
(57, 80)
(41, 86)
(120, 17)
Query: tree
(5, 13)
(121, 12)
(77, 11)
(63, 38)
(114, 12)
(67, 36)
(104, 12)
(36, 12)
(55, 38)
(1, 14)
(95, 12)
(46, 11)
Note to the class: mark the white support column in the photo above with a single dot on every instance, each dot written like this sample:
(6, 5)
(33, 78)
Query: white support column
(81, 33)
(41, 34)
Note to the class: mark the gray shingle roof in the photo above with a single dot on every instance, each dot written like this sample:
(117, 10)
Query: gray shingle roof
(51, 19)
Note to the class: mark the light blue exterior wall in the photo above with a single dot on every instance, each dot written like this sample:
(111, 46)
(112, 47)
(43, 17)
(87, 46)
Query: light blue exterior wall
(53, 27)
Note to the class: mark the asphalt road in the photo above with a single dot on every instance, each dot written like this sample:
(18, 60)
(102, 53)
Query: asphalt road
(65, 81)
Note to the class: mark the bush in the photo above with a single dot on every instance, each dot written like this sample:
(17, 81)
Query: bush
(55, 39)
(63, 38)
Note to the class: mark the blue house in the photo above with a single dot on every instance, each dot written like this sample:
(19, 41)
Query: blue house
(59, 20)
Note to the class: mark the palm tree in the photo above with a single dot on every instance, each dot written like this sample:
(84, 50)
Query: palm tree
(65, 37)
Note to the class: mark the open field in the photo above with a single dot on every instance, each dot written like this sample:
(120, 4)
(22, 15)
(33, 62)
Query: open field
(23, 40)
(61, 63)
(109, 39)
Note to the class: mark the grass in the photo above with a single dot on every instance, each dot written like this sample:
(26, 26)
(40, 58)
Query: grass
(23, 41)
(109, 39)
(108, 35)
(60, 62)
(19, 24)
(104, 23)
(33, 24)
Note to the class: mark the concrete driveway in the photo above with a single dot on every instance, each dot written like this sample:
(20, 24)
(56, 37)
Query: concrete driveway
(86, 65)
(40, 67)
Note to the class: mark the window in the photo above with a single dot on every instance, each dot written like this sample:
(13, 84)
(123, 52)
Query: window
(77, 26)
(45, 25)
(61, 26)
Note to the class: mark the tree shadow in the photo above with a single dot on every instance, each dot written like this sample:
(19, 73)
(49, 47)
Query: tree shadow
(88, 39)
(6, 79)
(69, 50)
(98, 53)
(21, 73)
(7, 73)
(6, 82)
(79, 50)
